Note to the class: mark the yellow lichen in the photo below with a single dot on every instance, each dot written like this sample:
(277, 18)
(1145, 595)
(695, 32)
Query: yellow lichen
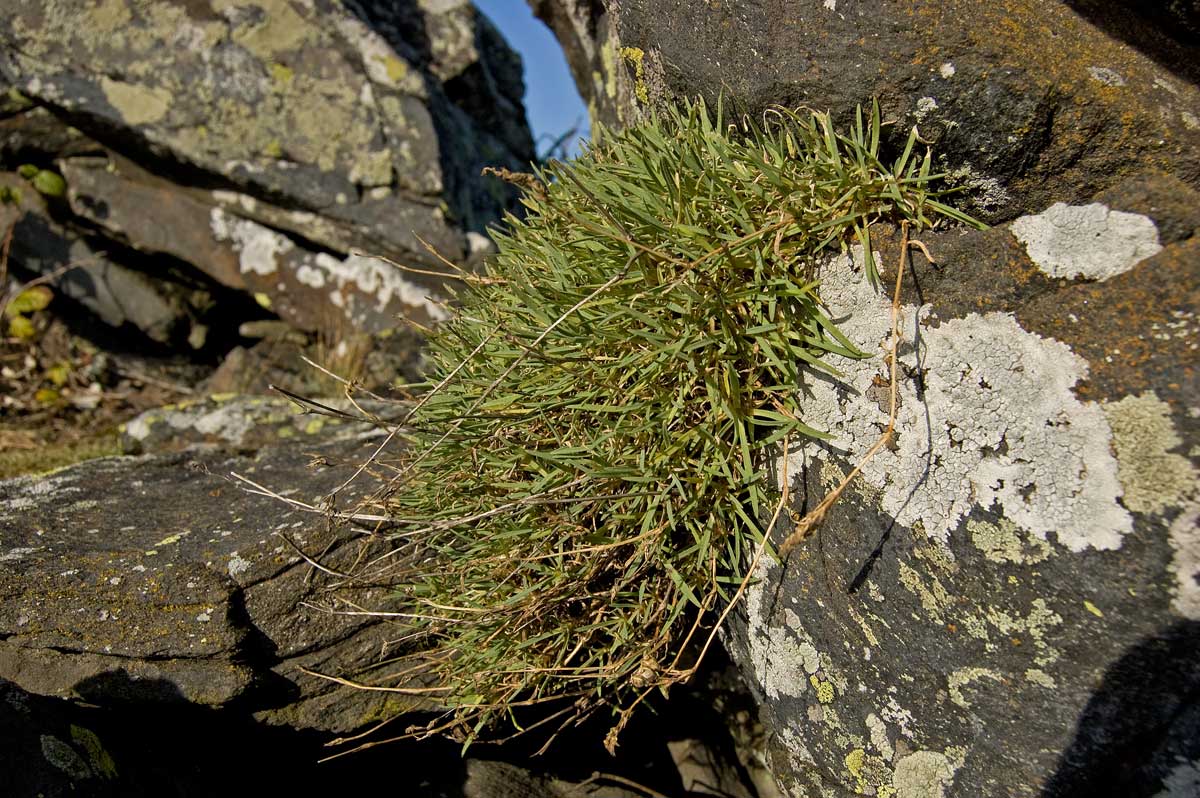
(281, 74)
(1152, 477)
(138, 105)
(635, 57)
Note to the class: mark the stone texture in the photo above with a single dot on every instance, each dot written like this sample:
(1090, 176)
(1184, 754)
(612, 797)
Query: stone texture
(159, 579)
(266, 144)
(54, 748)
(1004, 602)
(166, 310)
(1029, 103)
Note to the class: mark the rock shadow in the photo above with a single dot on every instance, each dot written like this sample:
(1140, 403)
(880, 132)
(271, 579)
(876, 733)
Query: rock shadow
(1140, 732)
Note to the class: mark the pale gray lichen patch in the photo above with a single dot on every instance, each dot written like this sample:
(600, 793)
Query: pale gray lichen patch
(1088, 241)
(780, 656)
(1109, 77)
(258, 247)
(878, 732)
(996, 425)
(1152, 477)
(1184, 537)
(138, 105)
(1038, 623)
(924, 774)
(1040, 678)
(963, 677)
(65, 758)
(1003, 542)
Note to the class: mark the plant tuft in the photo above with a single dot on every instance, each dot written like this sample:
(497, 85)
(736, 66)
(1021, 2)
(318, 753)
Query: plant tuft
(585, 475)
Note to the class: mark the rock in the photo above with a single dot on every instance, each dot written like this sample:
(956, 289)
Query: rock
(159, 580)
(590, 40)
(265, 145)
(57, 748)
(1006, 601)
(1029, 103)
(164, 310)
(377, 363)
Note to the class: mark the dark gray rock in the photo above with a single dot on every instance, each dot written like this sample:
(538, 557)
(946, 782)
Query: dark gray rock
(264, 145)
(164, 310)
(158, 579)
(1007, 601)
(1028, 102)
(55, 748)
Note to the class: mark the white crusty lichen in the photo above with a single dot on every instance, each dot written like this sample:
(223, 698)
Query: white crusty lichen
(1182, 782)
(258, 248)
(996, 425)
(1184, 537)
(1089, 241)
(781, 655)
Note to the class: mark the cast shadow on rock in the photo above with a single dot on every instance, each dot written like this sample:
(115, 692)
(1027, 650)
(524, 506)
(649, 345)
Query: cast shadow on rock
(1166, 31)
(162, 745)
(1140, 731)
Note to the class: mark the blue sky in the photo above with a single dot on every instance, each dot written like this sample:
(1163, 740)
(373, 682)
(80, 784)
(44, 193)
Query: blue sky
(551, 99)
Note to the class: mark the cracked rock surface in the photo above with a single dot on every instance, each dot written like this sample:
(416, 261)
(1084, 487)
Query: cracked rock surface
(158, 579)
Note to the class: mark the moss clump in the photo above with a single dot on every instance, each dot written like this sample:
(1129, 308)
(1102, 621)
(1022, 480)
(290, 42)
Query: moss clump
(587, 470)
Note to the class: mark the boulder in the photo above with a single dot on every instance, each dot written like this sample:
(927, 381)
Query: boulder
(266, 145)
(1029, 103)
(1006, 601)
(54, 748)
(164, 310)
(160, 579)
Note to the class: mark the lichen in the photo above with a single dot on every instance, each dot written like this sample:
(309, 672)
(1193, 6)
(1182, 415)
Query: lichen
(924, 774)
(963, 677)
(1088, 241)
(137, 105)
(65, 758)
(1002, 542)
(997, 424)
(1184, 538)
(259, 248)
(1152, 477)
(101, 761)
(635, 57)
(1182, 782)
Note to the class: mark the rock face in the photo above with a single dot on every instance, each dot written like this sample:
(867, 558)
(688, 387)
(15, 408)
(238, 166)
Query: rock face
(1007, 600)
(158, 580)
(1029, 102)
(259, 146)
(1005, 603)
